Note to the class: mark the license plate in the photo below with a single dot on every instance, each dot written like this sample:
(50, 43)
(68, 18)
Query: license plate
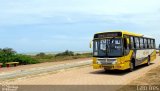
(102, 61)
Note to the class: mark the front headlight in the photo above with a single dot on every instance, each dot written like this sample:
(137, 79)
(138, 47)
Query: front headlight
(119, 61)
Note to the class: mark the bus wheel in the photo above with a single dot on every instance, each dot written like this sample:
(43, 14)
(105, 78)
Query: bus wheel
(132, 66)
(105, 70)
(148, 62)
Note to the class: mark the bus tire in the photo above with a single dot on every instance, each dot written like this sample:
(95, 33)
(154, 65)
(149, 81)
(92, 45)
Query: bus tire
(148, 61)
(132, 65)
(105, 70)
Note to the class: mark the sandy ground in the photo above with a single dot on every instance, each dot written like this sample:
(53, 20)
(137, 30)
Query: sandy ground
(87, 76)
(85, 79)
(148, 82)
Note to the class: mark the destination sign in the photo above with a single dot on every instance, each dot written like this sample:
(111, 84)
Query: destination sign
(110, 34)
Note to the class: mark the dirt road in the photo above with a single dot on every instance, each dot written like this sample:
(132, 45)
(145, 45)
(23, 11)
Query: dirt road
(46, 64)
(87, 76)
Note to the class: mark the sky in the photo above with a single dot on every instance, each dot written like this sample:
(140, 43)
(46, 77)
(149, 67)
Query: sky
(58, 25)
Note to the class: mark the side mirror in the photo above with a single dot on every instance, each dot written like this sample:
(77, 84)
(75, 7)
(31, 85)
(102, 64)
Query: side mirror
(90, 45)
(127, 41)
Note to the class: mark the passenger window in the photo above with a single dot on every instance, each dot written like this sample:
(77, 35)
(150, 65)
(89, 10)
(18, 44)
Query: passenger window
(152, 44)
(141, 43)
(149, 44)
(145, 43)
(132, 43)
(137, 42)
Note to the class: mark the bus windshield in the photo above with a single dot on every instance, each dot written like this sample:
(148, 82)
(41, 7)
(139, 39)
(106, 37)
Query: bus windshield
(111, 47)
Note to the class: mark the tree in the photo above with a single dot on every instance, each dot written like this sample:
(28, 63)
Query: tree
(66, 53)
(41, 54)
(9, 55)
(8, 51)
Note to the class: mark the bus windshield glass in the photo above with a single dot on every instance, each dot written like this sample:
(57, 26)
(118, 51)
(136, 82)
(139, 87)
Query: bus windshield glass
(111, 47)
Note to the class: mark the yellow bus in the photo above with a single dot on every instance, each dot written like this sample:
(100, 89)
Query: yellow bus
(121, 50)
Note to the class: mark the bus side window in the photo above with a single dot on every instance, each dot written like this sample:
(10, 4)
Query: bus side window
(141, 43)
(148, 43)
(132, 43)
(152, 43)
(145, 43)
(134, 40)
(137, 42)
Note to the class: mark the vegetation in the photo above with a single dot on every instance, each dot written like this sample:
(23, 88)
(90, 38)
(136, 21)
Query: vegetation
(67, 55)
(41, 54)
(9, 55)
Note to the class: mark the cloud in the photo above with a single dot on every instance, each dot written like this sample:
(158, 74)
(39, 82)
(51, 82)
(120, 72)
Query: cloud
(48, 24)
(61, 11)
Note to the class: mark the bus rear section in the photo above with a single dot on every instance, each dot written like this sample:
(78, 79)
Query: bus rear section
(122, 50)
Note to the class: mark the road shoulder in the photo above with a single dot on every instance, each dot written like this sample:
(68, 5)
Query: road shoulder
(149, 81)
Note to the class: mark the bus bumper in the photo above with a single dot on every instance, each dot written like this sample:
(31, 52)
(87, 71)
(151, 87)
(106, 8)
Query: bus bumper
(110, 67)
(97, 66)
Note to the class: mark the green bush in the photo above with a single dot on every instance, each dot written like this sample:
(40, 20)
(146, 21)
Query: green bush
(9, 55)
(66, 53)
(24, 59)
(41, 54)
(6, 55)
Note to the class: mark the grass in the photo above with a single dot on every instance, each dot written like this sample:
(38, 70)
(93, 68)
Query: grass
(9, 55)
(60, 57)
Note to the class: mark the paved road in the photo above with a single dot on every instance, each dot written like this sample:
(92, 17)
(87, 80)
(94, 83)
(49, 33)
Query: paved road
(87, 76)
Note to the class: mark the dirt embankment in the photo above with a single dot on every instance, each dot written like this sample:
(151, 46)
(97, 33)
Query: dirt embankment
(149, 82)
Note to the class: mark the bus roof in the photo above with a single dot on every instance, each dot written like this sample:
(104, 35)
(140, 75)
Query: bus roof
(125, 32)
(148, 36)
